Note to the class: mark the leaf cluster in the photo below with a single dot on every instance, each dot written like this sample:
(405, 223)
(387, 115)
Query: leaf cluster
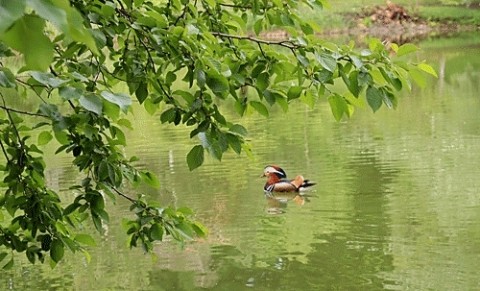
(86, 62)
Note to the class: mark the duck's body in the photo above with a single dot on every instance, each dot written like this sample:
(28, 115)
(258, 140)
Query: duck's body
(277, 181)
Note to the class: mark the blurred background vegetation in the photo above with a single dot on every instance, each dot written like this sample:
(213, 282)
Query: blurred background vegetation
(341, 13)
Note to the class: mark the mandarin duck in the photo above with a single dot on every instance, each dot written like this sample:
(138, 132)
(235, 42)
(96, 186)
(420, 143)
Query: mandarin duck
(277, 181)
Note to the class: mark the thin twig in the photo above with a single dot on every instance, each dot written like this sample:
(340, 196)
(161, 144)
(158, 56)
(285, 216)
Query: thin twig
(285, 43)
(12, 122)
(123, 195)
(4, 151)
(23, 112)
(236, 6)
(33, 88)
(56, 75)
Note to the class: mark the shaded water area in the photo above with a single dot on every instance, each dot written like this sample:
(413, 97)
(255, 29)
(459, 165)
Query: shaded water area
(396, 207)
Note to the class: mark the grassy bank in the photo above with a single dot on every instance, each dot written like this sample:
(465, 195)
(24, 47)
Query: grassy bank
(448, 14)
(341, 14)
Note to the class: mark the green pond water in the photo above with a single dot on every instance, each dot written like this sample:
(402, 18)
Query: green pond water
(396, 207)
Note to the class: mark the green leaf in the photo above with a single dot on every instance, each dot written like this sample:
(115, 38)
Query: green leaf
(239, 129)
(199, 229)
(187, 96)
(406, 49)
(111, 110)
(141, 92)
(185, 230)
(97, 222)
(338, 105)
(102, 170)
(125, 123)
(389, 99)
(357, 62)
(217, 82)
(10, 11)
(281, 101)
(260, 108)
(97, 202)
(73, 27)
(308, 97)
(47, 79)
(374, 98)
(85, 239)
(3, 255)
(353, 100)
(377, 77)
(185, 210)
(240, 107)
(257, 26)
(91, 103)
(427, 68)
(71, 208)
(397, 84)
(195, 157)
(307, 28)
(7, 79)
(150, 179)
(374, 44)
(168, 115)
(87, 256)
(351, 81)
(48, 11)
(57, 250)
(263, 81)
(38, 50)
(327, 61)
(418, 77)
(234, 142)
(294, 92)
(218, 117)
(122, 100)
(303, 60)
(201, 78)
(70, 93)
(8, 265)
(44, 137)
(62, 138)
(150, 106)
(156, 232)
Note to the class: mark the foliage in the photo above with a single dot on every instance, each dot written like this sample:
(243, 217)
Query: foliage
(85, 60)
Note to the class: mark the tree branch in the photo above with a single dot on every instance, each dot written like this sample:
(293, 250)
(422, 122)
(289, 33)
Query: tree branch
(23, 112)
(245, 7)
(123, 195)
(33, 88)
(284, 43)
(4, 151)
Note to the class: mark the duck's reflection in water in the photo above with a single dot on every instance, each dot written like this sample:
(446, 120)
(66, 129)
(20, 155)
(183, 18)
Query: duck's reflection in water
(277, 202)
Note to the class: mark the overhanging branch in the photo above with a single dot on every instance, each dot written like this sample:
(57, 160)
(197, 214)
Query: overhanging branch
(284, 43)
(22, 112)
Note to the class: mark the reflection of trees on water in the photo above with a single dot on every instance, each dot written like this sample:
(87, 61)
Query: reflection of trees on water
(354, 257)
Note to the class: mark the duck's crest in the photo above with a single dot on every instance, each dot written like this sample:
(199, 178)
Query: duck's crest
(279, 172)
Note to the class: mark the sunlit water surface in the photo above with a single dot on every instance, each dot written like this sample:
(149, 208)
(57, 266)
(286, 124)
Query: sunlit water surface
(396, 207)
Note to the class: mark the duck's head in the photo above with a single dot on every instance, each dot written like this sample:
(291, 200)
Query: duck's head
(274, 170)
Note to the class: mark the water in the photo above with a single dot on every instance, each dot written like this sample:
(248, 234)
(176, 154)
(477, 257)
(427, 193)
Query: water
(396, 207)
